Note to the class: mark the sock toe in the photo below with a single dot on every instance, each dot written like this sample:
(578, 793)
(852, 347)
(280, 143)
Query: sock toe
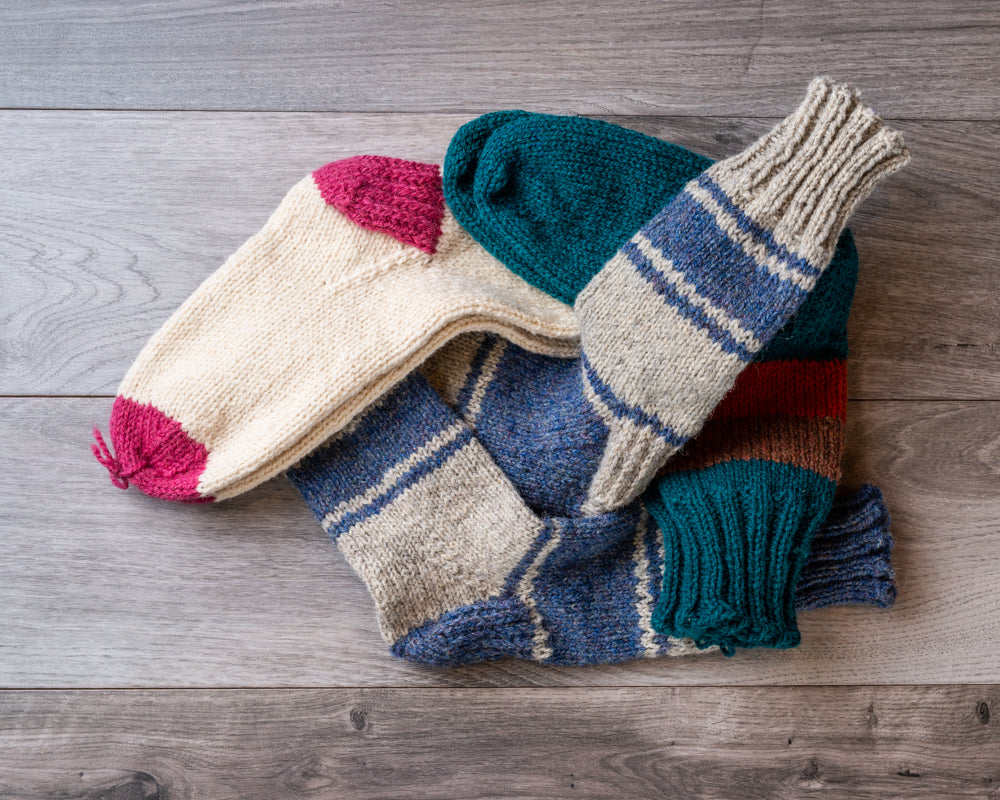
(153, 452)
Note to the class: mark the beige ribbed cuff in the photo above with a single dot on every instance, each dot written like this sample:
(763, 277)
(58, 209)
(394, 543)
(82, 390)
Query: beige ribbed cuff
(804, 179)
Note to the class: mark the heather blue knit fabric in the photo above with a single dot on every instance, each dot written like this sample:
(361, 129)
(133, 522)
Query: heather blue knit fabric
(571, 591)
(849, 557)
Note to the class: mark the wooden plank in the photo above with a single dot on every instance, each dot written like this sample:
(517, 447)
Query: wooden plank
(919, 59)
(108, 221)
(780, 742)
(102, 588)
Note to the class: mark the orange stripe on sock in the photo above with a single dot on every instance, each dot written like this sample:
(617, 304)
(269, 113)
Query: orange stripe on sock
(813, 443)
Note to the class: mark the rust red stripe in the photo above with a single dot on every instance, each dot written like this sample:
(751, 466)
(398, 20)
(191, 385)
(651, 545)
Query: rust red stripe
(788, 388)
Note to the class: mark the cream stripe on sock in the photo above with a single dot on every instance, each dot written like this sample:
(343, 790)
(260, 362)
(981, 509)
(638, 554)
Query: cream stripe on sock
(489, 370)
(451, 539)
(541, 649)
(644, 599)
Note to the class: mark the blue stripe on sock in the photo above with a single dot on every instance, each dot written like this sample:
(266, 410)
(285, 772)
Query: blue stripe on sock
(623, 410)
(408, 479)
(720, 270)
(688, 310)
(409, 417)
(762, 235)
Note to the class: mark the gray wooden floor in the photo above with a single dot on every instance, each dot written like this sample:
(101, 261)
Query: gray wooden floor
(154, 651)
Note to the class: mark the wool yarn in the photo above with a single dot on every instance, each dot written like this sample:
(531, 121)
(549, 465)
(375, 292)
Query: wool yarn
(554, 197)
(520, 181)
(672, 318)
(462, 570)
(766, 467)
(359, 274)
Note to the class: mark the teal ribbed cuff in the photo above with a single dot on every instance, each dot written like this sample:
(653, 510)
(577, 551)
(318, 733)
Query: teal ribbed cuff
(736, 536)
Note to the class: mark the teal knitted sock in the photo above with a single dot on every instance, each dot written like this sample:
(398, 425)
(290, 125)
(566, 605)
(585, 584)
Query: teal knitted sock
(554, 197)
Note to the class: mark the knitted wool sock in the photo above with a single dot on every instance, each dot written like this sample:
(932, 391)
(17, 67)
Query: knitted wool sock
(669, 322)
(461, 570)
(358, 276)
(554, 197)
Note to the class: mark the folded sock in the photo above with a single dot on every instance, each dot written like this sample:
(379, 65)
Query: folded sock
(358, 276)
(462, 570)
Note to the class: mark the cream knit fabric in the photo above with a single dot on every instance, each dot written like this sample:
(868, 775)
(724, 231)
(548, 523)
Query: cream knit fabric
(307, 324)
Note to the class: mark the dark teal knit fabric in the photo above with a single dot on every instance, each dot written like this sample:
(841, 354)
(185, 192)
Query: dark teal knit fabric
(529, 190)
(737, 534)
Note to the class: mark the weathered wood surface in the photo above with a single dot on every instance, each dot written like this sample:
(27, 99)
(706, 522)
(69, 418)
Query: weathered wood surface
(108, 221)
(103, 588)
(855, 744)
(592, 56)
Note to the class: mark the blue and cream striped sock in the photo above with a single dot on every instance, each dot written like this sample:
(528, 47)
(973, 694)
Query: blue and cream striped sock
(462, 570)
(668, 324)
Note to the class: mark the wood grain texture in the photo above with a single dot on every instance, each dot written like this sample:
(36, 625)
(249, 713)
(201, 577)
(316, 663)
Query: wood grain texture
(872, 742)
(103, 588)
(109, 220)
(921, 58)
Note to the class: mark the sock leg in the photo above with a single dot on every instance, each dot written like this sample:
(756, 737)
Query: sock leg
(699, 291)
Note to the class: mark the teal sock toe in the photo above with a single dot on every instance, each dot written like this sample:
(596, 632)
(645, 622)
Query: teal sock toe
(557, 196)
(462, 162)
(736, 536)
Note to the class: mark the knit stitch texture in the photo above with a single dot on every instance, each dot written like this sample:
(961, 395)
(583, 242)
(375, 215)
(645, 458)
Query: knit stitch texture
(461, 570)
(507, 173)
(358, 276)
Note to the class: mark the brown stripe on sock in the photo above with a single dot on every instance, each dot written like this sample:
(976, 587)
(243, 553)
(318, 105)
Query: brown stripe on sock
(813, 443)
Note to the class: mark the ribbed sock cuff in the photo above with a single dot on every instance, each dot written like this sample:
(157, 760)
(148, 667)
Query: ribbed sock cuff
(736, 536)
(849, 561)
(803, 180)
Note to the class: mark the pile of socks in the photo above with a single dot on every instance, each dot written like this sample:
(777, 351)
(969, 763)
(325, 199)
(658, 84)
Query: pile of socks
(579, 397)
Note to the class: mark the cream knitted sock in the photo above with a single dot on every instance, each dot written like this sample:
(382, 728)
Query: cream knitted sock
(359, 275)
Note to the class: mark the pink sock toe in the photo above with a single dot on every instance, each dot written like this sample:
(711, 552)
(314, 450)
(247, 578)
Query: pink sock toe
(404, 199)
(153, 452)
